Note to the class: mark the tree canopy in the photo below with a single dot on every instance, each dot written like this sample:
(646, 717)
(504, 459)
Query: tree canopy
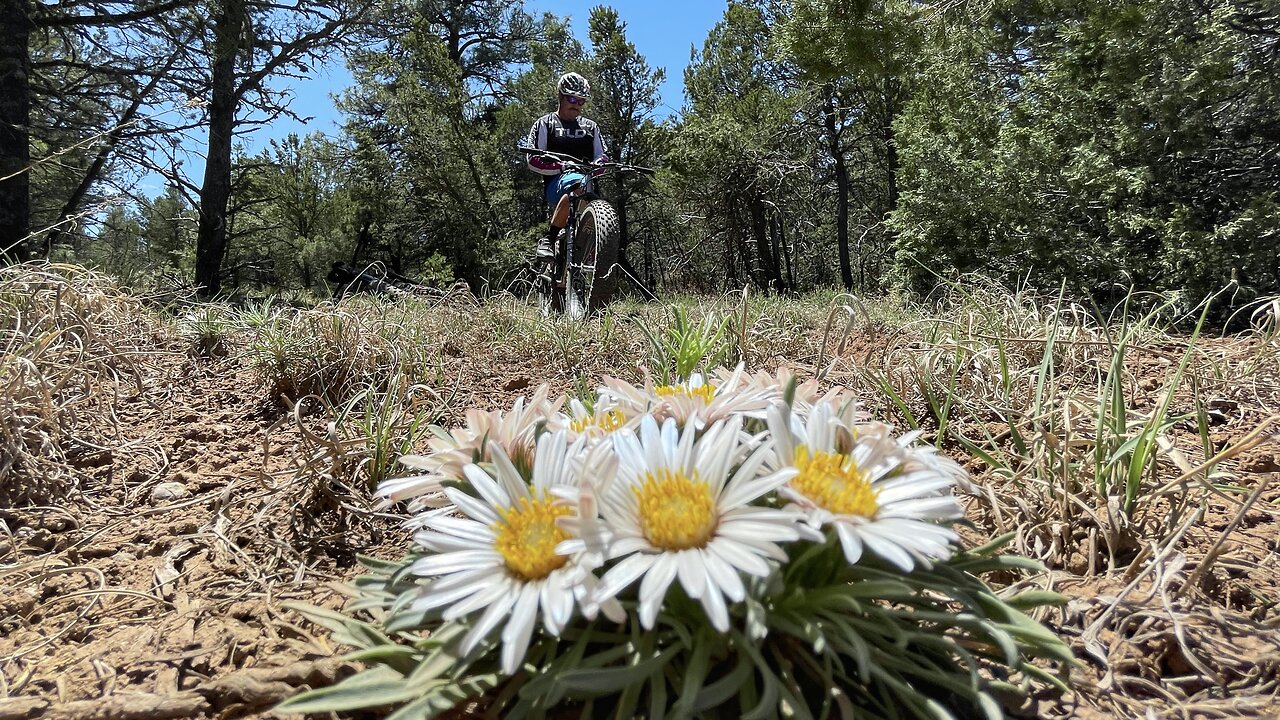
(879, 144)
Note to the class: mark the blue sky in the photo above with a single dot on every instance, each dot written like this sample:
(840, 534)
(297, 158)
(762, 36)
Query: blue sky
(662, 30)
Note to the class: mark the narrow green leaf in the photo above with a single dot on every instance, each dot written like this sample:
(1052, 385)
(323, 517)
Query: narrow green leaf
(695, 673)
(719, 692)
(373, 688)
(594, 683)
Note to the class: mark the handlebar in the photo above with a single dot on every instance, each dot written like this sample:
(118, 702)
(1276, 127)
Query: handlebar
(577, 163)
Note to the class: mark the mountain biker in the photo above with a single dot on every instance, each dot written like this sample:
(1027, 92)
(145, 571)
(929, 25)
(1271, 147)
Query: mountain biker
(564, 131)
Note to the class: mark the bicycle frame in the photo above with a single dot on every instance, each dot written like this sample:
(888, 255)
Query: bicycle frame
(564, 254)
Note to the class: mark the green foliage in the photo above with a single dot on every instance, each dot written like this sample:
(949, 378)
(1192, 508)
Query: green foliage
(137, 245)
(742, 157)
(828, 638)
(1096, 141)
(210, 328)
(435, 162)
(681, 347)
(877, 143)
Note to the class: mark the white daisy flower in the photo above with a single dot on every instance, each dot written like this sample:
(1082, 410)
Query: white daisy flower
(596, 423)
(927, 457)
(501, 556)
(697, 400)
(679, 509)
(451, 451)
(804, 393)
(875, 493)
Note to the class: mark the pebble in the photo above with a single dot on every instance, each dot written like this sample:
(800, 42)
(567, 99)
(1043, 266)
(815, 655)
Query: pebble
(169, 491)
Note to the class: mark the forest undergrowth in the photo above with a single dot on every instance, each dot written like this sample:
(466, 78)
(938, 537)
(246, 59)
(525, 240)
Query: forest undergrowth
(173, 473)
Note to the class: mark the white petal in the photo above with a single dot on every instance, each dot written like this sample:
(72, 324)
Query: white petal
(463, 529)
(676, 449)
(437, 594)
(471, 507)
(443, 543)
(519, 628)
(622, 575)
(508, 477)
(936, 508)
(714, 454)
(613, 610)
(420, 462)
(455, 561)
(910, 437)
(492, 616)
(651, 442)
(692, 573)
(557, 605)
(631, 459)
(680, 450)
(398, 489)
(504, 588)
(653, 588)
(737, 555)
(911, 528)
(850, 541)
(713, 603)
(756, 533)
(914, 536)
(751, 467)
(741, 493)
(784, 448)
(486, 486)
(723, 576)
(902, 488)
(887, 549)
(482, 576)
(628, 544)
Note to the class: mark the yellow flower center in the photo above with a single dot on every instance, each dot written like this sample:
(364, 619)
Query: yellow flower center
(609, 421)
(527, 537)
(834, 482)
(704, 392)
(677, 512)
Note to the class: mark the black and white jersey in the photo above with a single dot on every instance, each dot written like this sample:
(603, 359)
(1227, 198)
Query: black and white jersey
(580, 138)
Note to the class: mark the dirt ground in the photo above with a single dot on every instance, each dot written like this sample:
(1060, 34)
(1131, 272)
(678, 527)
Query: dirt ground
(160, 589)
(162, 583)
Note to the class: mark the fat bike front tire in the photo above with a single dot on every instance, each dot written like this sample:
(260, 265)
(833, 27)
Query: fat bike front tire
(599, 233)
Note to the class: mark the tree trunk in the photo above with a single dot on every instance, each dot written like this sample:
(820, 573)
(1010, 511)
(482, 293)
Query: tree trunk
(771, 275)
(648, 257)
(211, 240)
(835, 148)
(891, 144)
(15, 118)
(786, 250)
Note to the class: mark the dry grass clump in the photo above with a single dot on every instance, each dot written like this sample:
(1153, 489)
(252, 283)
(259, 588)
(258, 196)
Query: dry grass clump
(1114, 449)
(72, 344)
(338, 454)
(337, 350)
(1080, 421)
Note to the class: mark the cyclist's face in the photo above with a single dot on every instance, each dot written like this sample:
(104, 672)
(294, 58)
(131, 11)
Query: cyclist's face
(571, 107)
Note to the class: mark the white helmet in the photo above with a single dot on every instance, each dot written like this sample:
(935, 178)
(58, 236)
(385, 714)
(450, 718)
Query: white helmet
(573, 85)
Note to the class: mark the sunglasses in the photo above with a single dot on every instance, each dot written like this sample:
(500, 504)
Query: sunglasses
(575, 100)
